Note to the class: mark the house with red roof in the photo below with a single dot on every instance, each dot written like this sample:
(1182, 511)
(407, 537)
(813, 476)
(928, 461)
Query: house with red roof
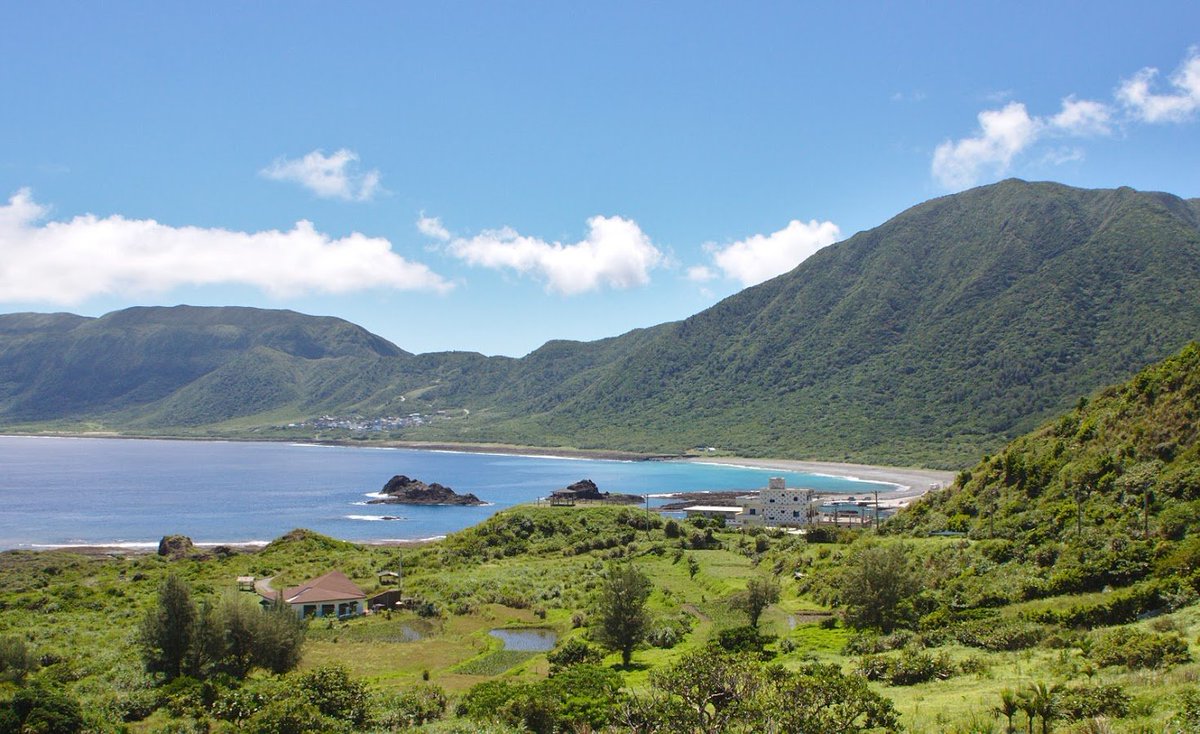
(325, 596)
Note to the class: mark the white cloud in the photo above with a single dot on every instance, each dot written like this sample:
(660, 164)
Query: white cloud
(615, 253)
(432, 227)
(1006, 132)
(1082, 117)
(70, 261)
(1002, 134)
(760, 257)
(329, 177)
(1177, 106)
(701, 274)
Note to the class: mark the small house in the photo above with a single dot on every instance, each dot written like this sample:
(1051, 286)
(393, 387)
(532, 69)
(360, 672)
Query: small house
(325, 596)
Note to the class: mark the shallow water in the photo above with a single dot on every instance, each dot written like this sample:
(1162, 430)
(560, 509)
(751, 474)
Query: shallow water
(534, 639)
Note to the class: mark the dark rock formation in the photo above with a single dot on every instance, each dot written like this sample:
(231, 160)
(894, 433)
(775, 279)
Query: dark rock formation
(175, 546)
(401, 490)
(586, 489)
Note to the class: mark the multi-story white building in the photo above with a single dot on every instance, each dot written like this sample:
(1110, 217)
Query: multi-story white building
(777, 506)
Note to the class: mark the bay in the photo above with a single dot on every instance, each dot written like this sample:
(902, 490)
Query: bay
(94, 491)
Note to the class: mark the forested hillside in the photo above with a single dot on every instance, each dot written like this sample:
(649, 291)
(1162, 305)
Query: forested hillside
(931, 339)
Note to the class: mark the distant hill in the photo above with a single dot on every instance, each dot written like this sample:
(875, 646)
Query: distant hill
(931, 339)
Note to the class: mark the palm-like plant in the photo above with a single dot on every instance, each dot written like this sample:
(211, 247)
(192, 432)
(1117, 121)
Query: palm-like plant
(1042, 700)
(1010, 704)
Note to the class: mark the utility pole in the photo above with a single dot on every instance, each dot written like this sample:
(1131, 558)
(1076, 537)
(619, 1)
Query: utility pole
(877, 511)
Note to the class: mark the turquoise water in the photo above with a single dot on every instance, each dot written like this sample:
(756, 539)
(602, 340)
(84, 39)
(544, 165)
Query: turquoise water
(66, 491)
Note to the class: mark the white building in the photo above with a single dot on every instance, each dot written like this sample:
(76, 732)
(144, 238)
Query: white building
(777, 506)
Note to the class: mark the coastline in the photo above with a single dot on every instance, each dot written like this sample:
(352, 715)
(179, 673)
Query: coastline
(911, 482)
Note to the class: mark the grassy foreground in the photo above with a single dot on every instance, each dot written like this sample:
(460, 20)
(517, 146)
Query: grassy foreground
(542, 567)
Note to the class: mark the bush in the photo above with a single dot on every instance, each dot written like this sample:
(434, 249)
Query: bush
(1134, 648)
(999, 635)
(43, 710)
(1086, 702)
(16, 659)
(745, 639)
(907, 669)
(292, 716)
(335, 694)
(572, 652)
(416, 706)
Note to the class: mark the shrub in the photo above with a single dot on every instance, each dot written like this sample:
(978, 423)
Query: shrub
(744, 639)
(16, 659)
(1086, 702)
(335, 694)
(416, 706)
(572, 652)
(999, 635)
(292, 716)
(907, 669)
(1134, 648)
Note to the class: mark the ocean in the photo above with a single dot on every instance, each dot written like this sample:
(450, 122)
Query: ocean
(93, 491)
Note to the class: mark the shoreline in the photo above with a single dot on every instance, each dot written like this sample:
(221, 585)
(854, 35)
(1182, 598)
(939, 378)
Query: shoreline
(910, 483)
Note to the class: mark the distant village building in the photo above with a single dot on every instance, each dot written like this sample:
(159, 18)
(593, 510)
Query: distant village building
(326, 596)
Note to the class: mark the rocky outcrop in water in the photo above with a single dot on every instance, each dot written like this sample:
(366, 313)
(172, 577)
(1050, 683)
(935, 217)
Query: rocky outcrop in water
(586, 490)
(401, 490)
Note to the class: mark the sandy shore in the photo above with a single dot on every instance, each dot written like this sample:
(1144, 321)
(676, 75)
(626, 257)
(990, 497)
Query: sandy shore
(913, 482)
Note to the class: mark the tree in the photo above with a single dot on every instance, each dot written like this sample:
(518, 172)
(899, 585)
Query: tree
(878, 587)
(761, 592)
(168, 630)
(278, 638)
(713, 688)
(693, 566)
(621, 610)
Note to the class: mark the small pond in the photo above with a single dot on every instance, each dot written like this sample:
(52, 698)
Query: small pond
(534, 639)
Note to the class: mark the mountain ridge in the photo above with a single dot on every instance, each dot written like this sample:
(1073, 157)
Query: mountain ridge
(930, 339)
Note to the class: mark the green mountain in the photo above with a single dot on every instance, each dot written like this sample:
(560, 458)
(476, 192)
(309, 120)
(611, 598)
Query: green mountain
(1103, 496)
(930, 339)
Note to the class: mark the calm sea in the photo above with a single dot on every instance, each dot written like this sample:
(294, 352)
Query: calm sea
(67, 491)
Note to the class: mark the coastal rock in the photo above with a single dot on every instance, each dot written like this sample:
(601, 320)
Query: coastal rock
(586, 490)
(401, 490)
(175, 546)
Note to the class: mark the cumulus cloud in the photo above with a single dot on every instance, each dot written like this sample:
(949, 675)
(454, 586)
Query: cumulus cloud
(1005, 133)
(616, 253)
(1177, 106)
(761, 257)
(329, 177)
(432, 227)
(1002, 134)
(1082, 117)
(67, 262)
(701, 274)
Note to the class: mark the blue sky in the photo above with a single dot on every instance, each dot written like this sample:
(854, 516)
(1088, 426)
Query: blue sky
(489, 176)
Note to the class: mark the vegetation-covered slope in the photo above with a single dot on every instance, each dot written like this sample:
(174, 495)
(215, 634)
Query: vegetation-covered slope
(940, 334)
(930, 339)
